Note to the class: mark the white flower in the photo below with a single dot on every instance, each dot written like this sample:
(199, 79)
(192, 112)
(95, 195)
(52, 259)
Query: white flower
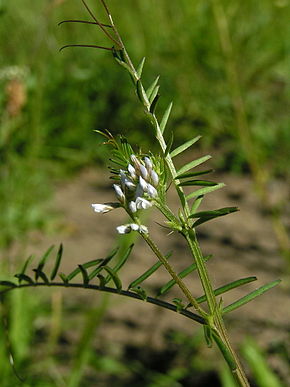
(135, 161)
(102, 208)
(119, 192)
(143, 229)
(132, 206)
(129, 184)
(132, 171)
(123, 178)
(124, 229)
(152, 192)
(143, 183)
(139, 191)
(155, 178)
(134, 227)
(144, 172)
(142, 204)
(148, 163)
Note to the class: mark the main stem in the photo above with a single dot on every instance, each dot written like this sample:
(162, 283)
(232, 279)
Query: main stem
(214, 318)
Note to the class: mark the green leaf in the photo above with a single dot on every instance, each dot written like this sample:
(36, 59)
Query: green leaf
(154, 94)
(184, 146)
(121, 261)
(43, 261)
(24, 277)
(57, 262)
(179, 304)
(141, 92)
(42, 275)
(64, 278)
(114, 277)
(225, 288)
(26, 263)
(152, 87)
(192, 164)
(169, 144)
(8, 283)
(154, 103)
(98, 261)
(102, 280)
(86, 265)
(165, 288)
(125, 65)
(193, 174)
(140, 67)
(249, 297)
(207, 335)
(124, 259)
(148, 273)
(196, 204)
(141, 292)
(204, 191)
(226, 353)
(165, 117)
(85, 275)
(205, 183)
(205, 216)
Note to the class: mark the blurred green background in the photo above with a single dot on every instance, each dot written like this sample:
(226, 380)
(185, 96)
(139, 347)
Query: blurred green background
(225, 64)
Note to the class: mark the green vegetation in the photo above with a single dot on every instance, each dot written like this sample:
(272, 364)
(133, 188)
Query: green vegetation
(225, 65)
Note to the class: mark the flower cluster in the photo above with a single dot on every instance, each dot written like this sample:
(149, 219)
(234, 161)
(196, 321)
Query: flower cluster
(136, 191)
(137, 185)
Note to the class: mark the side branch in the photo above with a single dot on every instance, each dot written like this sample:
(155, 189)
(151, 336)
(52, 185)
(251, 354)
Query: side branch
(126, 293)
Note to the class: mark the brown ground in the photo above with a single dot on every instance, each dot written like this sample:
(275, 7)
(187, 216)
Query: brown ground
(242, 243)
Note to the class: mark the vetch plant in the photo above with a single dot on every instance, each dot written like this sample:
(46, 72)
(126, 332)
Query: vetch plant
(141, 180)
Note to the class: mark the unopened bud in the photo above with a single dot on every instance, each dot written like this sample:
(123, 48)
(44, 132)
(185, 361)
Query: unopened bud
(148, 163)
(143, 183)
(132, 206)
(144, 172)
(154, 178)
(152, 192)
(119, 192)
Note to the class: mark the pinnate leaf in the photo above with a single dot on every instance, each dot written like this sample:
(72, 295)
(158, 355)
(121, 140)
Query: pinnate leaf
(184, 146)
(249, 297)
(192, 164)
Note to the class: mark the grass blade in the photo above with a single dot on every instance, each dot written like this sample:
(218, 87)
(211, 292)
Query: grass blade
(165, 117)
(227, 287)
(204, 191)
(193, 164)
(184, 146)
(249, 297)
(57, 262)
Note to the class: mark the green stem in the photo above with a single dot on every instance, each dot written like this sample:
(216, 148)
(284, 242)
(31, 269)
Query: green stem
(202, 270)
(173, 274)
